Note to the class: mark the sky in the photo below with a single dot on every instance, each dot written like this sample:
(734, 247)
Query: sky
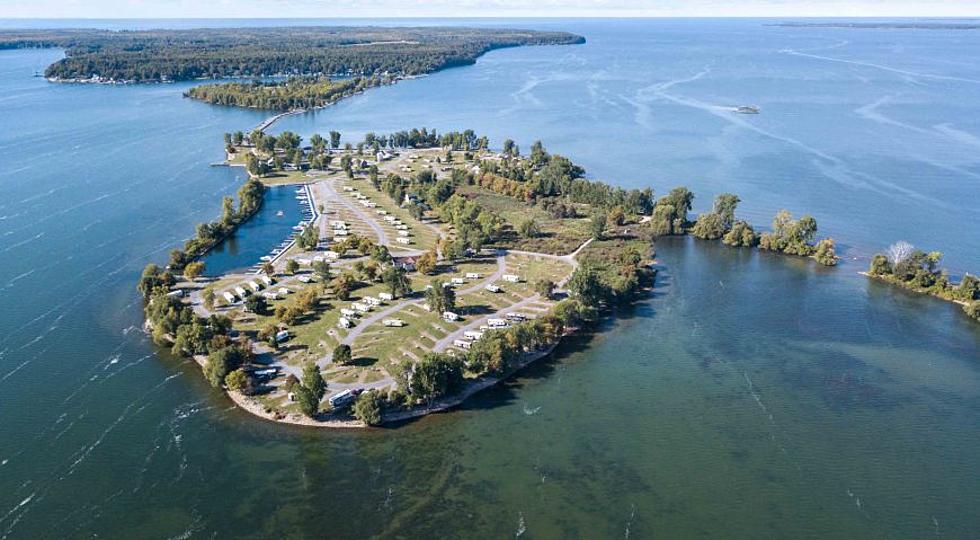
(483, 8)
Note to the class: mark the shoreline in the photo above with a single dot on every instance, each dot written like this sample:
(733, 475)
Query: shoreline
(446, 403)
(904, 287)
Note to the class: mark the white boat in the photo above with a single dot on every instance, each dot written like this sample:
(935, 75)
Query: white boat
(279, 213)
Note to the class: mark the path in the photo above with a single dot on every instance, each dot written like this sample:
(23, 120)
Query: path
(332, 194)
(445, 342)
(394, 308)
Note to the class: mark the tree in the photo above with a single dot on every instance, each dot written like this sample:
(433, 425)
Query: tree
(899, 252)
(342, 354)
(335, 139)
(255, 304)
(880, 265)
(292, 266)
(972, 309)
(309, 237)
(368, 407)
(617, 217)
(220, 362)
(740, 235)
(208, 297)
(397, 282)
(308, 403)
(310, 390)
(440, 297)
(239, 381)
(426, 263)
(268, 269)
(342, 285)
(709, 226)
(598, 225)
(528, 228)
(544, 287)
(322, 270)
(969, 288)
(193, 270)
(724, 206)
(825, 253)
(586, 285)
(435, 375)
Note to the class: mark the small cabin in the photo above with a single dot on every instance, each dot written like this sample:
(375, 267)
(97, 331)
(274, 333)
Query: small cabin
(496, 323)
(230, 298)
(175, 294)
(462, 343)
(347, 312)
(370, 300)
(266, 279)
(403, 240)
(457, 281)
(344, 322)
(282, 335)
(449, 316)
(472, 275)
(512, 278)
(240, 291)
(255, 286)
(387, 297)
(492, 288)
(394, 322)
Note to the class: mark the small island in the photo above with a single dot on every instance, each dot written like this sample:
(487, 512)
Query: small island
(428, 267)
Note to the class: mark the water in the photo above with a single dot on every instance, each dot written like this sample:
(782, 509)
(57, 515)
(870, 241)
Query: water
(259, 235)
(752, 396)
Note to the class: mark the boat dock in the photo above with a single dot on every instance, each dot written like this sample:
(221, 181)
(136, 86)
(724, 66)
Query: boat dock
(304, 194)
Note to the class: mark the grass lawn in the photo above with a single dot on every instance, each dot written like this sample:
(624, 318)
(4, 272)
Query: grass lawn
(424, 238)
(557, 237)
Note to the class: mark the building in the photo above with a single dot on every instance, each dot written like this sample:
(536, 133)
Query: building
(405, 263)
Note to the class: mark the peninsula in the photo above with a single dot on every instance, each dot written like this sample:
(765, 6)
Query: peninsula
(427, 268)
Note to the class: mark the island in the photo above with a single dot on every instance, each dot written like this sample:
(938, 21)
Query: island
(428, 267)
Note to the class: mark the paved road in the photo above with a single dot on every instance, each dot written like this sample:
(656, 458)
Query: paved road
(445, 342)
(394, 308)
(330, 192)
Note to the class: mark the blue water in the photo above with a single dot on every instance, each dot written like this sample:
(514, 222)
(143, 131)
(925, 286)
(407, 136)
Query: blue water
(259, 235)
(752, 396)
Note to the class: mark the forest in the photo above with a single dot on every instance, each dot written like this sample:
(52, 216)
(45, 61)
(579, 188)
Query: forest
(301, 92)
(175, 55)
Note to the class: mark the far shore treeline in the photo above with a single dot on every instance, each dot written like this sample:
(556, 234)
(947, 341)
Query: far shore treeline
(211, 53)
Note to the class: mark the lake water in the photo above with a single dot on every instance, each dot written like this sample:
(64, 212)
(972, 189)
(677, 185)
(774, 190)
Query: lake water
(751, 396)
